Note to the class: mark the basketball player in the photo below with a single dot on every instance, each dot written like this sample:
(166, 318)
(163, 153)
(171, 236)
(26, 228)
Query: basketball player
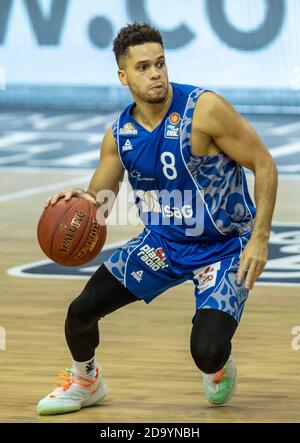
(173, 137)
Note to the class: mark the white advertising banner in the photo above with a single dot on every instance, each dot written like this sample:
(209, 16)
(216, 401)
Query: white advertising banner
(221, 43)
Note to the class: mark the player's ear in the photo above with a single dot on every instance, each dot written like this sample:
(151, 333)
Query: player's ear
(122, 77)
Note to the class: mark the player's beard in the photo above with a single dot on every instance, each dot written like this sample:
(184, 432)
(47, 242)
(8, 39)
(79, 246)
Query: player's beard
(154, 100)
(157, 98)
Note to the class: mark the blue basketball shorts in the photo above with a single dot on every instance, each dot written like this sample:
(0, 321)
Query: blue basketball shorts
(149, 264)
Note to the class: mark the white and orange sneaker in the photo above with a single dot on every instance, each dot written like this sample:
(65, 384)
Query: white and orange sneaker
(75, 393)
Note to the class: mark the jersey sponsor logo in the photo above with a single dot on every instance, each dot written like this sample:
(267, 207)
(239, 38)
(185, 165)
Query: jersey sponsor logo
(154, 258)
(172, 126)
(149, 202)
(207, 276)
(128, 129)
(138, 275)
(127, 146)
(136, 175)
(172, 211)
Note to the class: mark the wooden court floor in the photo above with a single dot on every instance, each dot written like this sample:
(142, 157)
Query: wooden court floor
(144, 348)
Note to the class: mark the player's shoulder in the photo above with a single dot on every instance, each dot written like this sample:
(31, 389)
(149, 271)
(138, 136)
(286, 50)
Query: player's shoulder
(109, 140)
(210, 104)
(184, 89)
(212, 112)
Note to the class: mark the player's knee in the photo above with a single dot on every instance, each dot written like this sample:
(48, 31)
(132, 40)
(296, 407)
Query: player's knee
(79, 316)
(73, 314)
(73, 320)
(210, 357)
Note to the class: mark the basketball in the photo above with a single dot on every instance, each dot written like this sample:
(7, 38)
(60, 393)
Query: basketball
(68, 232)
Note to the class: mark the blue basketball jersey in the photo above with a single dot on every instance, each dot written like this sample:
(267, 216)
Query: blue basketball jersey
(178, 195)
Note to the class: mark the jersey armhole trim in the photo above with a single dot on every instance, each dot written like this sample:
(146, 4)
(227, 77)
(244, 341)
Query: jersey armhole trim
(118, 144)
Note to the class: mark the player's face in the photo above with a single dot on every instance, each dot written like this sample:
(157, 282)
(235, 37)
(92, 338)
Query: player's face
(145, 72)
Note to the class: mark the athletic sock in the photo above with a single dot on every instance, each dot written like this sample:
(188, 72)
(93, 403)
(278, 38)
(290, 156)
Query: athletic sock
(85, 369)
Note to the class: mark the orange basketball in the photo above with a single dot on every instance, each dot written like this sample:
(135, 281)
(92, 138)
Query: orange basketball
(68, 232)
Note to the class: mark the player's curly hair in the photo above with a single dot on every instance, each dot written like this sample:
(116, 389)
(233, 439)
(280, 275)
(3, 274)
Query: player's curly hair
(132, 35)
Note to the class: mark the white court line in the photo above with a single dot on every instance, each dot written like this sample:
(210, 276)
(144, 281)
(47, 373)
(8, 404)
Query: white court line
(13, 138)
(31, 150)
(71, 160)
(283, 150)
(289, 176)
(6, 116)
(42, 170)
(92, 121)
(268, 109)
(14, 158)
(41, 189)
(289, 168)
(285, 129)
(20, 147)
(50, 134)
(260, 124)
(285, 176)
(18, 271)
(41, 122)
(17, 137)
(72, 171)
(284, 223)
(33, 117)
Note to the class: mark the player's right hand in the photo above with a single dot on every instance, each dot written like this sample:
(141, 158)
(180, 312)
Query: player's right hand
(67, 194)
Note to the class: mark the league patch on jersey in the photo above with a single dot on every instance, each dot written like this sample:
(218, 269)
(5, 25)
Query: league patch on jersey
(207, 276)
(128, 129)
(172, 126)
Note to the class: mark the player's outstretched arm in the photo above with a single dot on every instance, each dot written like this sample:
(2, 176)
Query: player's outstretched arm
(107, 176)
(215, 117)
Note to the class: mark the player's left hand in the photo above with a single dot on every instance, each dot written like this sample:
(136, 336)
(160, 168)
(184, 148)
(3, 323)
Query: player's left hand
(253, 261)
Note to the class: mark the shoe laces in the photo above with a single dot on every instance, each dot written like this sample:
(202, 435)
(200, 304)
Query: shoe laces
(217, 377)
(67, 379)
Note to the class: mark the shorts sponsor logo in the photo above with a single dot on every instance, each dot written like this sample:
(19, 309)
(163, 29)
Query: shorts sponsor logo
(154, 258)
(160, 253)
(207, 276)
